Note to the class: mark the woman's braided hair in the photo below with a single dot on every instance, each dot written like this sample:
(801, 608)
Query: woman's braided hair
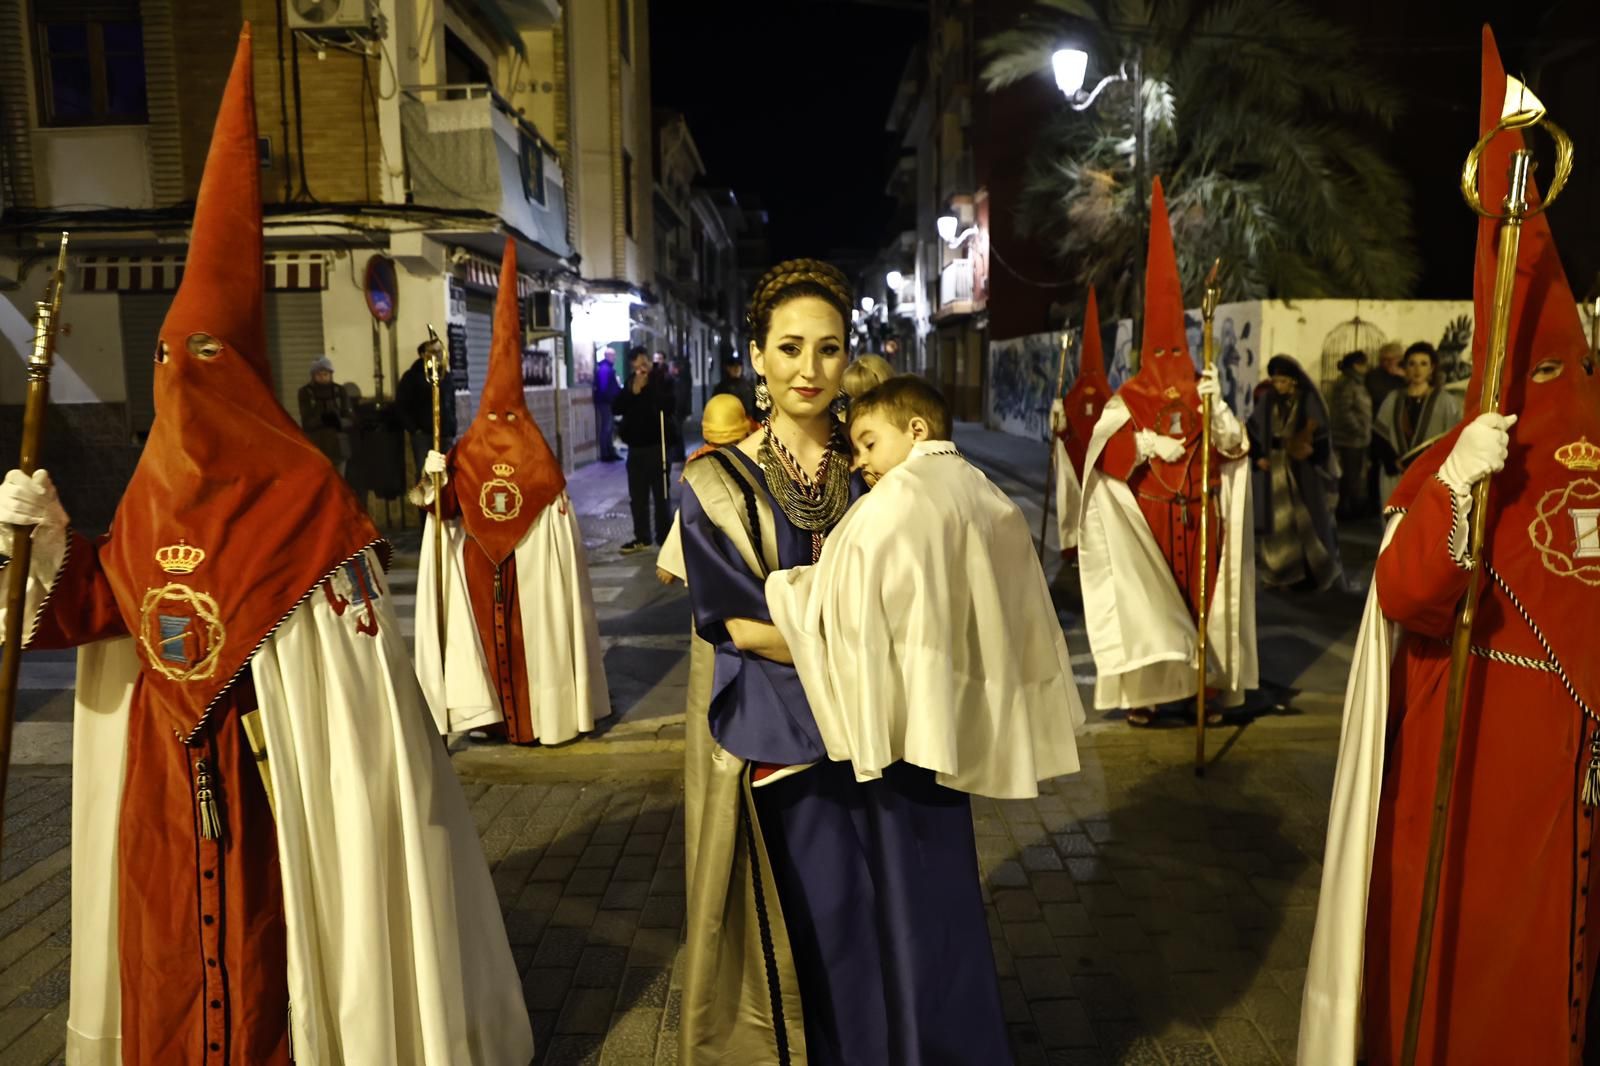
(790, 280)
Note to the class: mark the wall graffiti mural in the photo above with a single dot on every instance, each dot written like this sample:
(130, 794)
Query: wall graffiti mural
(1022, 374)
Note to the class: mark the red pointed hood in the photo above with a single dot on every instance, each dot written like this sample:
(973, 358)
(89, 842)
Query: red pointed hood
(1538, 542)
(1166, 371)
(1090, 390)
(231, 516)
(505, 472)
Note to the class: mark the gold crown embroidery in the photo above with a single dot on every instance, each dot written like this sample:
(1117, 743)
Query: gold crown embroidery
(503, 469)
(1579, 455)
(180, 558)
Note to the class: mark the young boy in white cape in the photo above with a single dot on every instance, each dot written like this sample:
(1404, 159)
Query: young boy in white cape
(925, 632)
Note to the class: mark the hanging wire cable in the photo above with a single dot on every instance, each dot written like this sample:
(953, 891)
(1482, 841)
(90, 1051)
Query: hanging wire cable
(1014, 272)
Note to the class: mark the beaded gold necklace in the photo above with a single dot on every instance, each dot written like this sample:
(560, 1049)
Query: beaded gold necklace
(812, 504)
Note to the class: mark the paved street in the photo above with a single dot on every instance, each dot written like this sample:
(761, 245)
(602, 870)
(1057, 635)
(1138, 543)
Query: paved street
(1139, 914)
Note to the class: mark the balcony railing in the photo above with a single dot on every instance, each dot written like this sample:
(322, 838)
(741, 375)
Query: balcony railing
(955, 286)
(466, 149)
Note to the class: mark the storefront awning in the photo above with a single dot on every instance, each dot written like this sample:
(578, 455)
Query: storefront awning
(286, 272)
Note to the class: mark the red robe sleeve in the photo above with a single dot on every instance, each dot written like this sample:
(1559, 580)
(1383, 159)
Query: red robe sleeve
(81, 608)
(1120, 456)
(1419, 583)
(449, 501)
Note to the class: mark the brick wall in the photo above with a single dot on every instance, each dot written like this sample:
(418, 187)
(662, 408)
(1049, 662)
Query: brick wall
(338, 126)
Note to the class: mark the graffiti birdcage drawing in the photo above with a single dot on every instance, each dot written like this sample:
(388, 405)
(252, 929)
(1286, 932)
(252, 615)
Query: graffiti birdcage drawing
(1355, 335)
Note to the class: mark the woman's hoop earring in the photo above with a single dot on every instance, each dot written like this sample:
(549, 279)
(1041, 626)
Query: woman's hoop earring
(763, 395)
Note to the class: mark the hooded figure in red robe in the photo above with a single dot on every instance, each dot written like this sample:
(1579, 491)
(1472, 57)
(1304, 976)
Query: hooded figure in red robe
(521, 655)
(1512, 960)
(259, 816)
(1139, 532)
(1072, 420)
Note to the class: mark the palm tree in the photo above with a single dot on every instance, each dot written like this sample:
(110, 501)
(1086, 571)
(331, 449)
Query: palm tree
(1258, 115)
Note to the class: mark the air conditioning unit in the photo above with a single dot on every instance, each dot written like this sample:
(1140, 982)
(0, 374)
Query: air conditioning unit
(315, 15)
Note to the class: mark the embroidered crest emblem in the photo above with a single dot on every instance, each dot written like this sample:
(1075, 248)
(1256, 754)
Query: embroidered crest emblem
(499, 498)
(181, 632)
(1564, 534)
(1175, 420)
(180, 558)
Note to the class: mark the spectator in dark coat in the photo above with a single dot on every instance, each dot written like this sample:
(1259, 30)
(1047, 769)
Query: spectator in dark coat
(606, 388)
(735, 383)
(414, 399)
(647, 409)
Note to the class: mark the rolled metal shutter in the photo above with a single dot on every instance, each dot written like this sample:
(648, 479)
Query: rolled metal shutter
(480, 327)
(294, 342)
(141, 315)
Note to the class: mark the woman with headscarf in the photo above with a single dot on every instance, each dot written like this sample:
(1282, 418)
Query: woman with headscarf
(1296, 475)
(1411, 417)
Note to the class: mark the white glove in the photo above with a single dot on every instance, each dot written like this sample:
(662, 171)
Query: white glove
(29, 501)
(1478, 452)
(1147, 443)
(1226, 432)
(435, 464)
(1058, 417)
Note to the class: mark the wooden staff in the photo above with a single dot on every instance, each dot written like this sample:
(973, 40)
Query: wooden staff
(1516, 211)
(1050, 469)
(1208, 312)
(45, 324)
(434, 373)
(666, 467)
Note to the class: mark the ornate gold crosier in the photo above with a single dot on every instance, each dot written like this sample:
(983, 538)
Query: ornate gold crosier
(499, 498)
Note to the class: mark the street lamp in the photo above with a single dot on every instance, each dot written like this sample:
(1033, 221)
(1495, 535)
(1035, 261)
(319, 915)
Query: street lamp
(947, 226)
(895, 280)
(867, 304)
(1070, 65)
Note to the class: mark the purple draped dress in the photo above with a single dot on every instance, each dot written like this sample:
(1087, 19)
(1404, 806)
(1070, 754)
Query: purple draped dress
(878, 881)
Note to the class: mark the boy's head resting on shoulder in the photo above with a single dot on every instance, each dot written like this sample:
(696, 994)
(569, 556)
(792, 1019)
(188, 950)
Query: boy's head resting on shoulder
(885, 421)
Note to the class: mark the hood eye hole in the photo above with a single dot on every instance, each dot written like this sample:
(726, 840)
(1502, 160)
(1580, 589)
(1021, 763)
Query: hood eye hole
(493, 417)
(204, 346)
(1548, 370)
(511, 416)
(161, 351)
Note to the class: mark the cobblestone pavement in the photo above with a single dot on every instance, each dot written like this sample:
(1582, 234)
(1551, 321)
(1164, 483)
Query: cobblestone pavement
(1140, 915)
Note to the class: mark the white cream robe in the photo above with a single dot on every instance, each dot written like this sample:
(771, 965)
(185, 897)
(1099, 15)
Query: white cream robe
(926, 633)
(1330, 1007)
(567, 690)
(1140, 629)
(1069, 498)
(397, 951)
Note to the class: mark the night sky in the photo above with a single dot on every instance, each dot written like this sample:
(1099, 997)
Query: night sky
(787, 101)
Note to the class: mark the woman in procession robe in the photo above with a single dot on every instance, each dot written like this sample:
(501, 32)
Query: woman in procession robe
(1411, 417)
(1295, 478)
(1512, 963)
(829, 920)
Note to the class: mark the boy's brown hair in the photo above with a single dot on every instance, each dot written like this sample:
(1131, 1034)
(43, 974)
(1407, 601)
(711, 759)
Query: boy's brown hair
(902, 398)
